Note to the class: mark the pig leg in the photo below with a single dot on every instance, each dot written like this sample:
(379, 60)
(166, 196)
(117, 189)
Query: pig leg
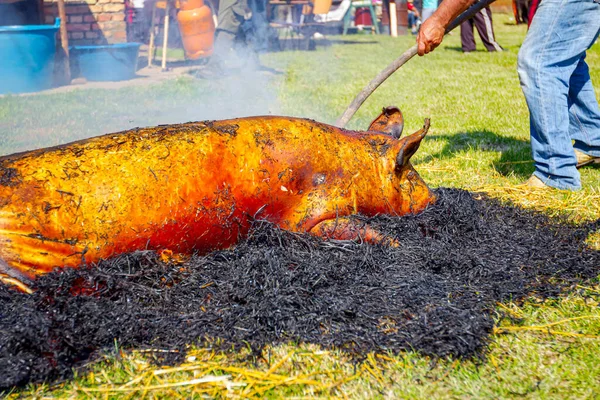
(348, 229)
(14, 282)
(11, 280)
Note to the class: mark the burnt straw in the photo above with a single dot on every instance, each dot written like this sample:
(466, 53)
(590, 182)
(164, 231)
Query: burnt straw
(435, 293)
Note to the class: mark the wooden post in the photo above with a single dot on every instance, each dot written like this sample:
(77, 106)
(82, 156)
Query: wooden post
(393, 19)
(64, 40)
(152, 36)
(165, 35)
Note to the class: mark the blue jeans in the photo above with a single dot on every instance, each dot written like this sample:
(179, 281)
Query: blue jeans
(556, 83)
(412, 20)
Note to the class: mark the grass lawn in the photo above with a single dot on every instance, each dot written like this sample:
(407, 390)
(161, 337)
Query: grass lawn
(479, 141)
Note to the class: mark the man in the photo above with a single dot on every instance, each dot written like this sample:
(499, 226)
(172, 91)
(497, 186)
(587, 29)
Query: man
(483, 23)
(521, 11)
(231, 16)
(564, 113)
(413, 17)
(429, 7)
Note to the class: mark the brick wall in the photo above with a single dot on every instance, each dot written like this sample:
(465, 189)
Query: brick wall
(91, 21)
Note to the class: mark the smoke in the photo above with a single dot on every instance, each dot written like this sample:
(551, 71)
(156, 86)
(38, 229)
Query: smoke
(78, 112)
(34, 121)
(257, 83)
(239, 86)
(247, 91)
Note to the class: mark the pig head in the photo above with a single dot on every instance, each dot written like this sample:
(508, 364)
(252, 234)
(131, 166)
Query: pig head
(375, 177)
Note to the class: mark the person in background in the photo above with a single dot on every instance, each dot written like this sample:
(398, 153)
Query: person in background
(257, 30)
(137, 27)
(414, 20)
(483, 22)
(429, 7)
(555, 79)
(521, 11)
(231, 16)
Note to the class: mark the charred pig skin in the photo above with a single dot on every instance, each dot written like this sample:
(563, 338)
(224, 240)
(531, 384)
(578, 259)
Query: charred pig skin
(196, 187)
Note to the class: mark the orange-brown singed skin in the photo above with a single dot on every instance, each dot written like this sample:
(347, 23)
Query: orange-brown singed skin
(192, 187)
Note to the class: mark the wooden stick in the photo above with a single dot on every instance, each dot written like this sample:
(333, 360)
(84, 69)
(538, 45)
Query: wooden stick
(165, 36)
(64, 40)
(400, 61)
(393, 19)
(152, 35)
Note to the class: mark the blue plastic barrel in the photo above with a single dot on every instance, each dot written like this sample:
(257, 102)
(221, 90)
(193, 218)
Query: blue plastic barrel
(27, 57)
(111, 62)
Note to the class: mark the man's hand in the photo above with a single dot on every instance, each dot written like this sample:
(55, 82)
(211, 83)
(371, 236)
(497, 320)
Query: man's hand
(430, 36)
(433, 29)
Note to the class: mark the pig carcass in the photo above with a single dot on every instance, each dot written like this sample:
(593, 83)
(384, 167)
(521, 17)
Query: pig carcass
(198, 186)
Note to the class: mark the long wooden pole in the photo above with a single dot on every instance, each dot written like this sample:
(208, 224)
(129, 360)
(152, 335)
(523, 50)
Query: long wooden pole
(64, 40)
(152, 36)
(400, 61)
(393, 19)
(165, 35)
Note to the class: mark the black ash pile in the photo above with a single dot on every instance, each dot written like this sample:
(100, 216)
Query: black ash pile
(435, 293)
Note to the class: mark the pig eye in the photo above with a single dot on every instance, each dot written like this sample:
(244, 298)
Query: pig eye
(318, 179)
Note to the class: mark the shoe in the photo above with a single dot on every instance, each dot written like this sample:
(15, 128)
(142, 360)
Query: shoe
(217, 66)
(585, 159)
(536, 183)
(212, 71)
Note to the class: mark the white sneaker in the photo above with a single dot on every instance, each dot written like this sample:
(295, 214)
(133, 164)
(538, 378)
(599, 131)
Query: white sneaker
(585, 159)
(536, 183)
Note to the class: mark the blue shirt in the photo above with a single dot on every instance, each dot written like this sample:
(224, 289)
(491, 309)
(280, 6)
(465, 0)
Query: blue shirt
(430, 4)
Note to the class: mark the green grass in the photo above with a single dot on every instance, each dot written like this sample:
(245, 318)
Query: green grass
(172, 54)
(479, 141)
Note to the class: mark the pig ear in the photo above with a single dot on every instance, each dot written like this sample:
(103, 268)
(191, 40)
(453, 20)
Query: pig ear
(410, 145)
(390, 121)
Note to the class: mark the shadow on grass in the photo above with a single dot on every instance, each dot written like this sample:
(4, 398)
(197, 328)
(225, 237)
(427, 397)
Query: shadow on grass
(515, 156)
(346, 41)
(455, 48)
(460, 50)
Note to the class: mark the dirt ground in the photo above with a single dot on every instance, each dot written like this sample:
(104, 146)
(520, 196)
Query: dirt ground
(145, 75)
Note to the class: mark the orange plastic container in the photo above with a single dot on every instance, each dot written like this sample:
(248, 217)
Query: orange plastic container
(322, 6)
(187, 5)
(197, 29)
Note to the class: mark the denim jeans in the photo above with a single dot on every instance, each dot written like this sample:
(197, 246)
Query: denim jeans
(556, 83)
(412, 20)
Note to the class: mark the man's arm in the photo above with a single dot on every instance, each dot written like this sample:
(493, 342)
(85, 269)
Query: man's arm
(433, 29)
